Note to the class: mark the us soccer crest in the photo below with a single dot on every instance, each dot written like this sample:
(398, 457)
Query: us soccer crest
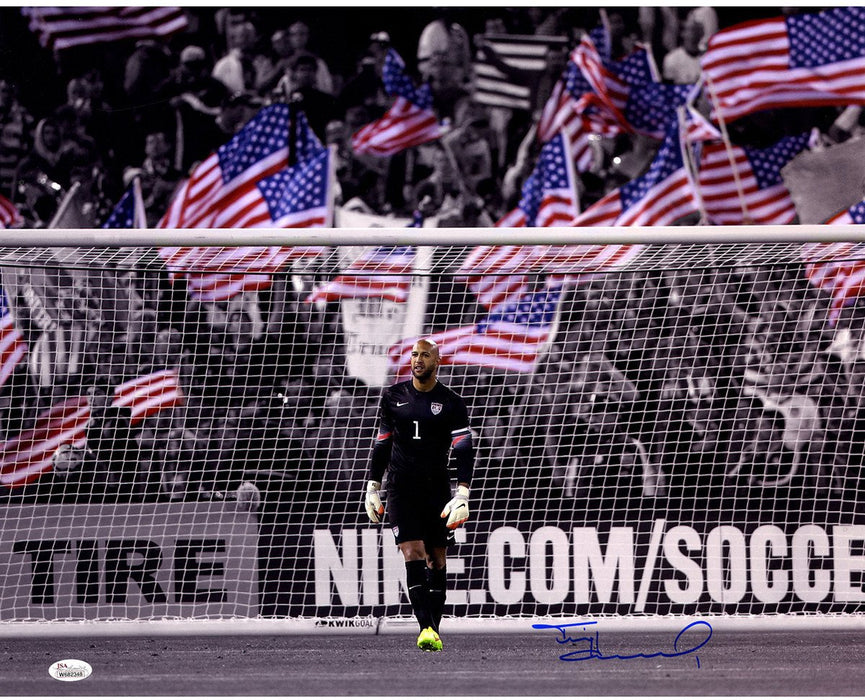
(436, 408)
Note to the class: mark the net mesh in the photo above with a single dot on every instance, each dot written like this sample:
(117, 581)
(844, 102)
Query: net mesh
(658, 429)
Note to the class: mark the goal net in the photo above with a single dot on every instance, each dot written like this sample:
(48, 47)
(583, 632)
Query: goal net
(660, 429)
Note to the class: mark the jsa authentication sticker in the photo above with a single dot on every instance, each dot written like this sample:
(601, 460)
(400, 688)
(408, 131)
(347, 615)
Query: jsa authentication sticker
(70, 670)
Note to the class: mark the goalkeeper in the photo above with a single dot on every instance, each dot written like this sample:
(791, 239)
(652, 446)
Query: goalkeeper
(423, 426)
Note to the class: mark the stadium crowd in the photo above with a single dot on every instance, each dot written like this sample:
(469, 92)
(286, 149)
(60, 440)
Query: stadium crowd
(667, 381)
(155, 108)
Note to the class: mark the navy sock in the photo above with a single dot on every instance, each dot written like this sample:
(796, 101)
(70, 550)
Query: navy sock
(418, 591)
(437, 594)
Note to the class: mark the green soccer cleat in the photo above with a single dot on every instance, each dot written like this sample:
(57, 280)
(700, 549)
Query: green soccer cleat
(428, 640)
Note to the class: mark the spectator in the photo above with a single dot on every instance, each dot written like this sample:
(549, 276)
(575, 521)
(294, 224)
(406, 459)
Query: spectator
(179, 464)
(97, 192)
(196, 98)
(157, 175)
(16, 134)
(708, 17)
(298, 88)
(659, 28)
(471, 145)
(358, 175)
(236, 111)
(283, 52)
(96, 121)
(110, 462)
(292, 44)
(146, 69)
(45, 163)
(444, 50)
(366, 88)
(682, 64)
(332, 448)
(242, 66)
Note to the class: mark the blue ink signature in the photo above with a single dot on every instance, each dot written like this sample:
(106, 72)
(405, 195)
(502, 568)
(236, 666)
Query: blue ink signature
(592, 648)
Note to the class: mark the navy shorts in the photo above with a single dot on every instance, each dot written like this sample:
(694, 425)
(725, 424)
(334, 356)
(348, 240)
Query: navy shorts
(414, 513)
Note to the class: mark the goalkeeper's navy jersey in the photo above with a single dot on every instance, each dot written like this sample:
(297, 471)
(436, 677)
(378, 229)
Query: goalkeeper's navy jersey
(419, 431)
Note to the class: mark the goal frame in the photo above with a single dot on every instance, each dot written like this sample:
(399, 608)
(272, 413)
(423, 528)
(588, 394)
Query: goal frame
(446, 236)
(667, 235)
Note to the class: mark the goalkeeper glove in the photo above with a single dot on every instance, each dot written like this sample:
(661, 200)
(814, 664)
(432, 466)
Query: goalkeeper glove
(374, 508)
(457, 509)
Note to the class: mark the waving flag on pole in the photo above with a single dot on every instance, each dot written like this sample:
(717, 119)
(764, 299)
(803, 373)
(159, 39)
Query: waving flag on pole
(510, 338)
(761, 196)
(410, 121)
(9, 215)
(65, 27)
(149, 394)
(248, 183)
(523, 53)
(549, 195)
(383, 272)
(220, 273)
(838, 268)
(240, 186)
(500, 274)
(801, 60)
(129, 211)
(549, 198)
(28, 455)
(628, 95)
(563, 112)
(659, 197)
(12, 346)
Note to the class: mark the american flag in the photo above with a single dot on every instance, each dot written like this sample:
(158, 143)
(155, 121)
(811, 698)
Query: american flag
(520, 51)
(808, 59)
(12, 345)
(382, 272)
(219, 273)
(549, 199)
(628, 95)
(129, 211)
(410, 121)
(9, 215)
(549, 195)
(246, 184)
(637, 68)
(765, 198)
(651, 107)
(149, 394)
(500, 274)
(27, 456)
(242, 186)
(560, 110)
(563, 111)
(838, 268)
(698, 128)
(609, 90)
(64, 27)
(658, 198)
(511, 338)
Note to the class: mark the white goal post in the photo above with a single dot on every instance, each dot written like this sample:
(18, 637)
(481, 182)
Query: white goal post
(669, 426)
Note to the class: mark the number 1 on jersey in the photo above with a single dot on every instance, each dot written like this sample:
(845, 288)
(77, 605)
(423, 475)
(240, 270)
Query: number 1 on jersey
(416, 430)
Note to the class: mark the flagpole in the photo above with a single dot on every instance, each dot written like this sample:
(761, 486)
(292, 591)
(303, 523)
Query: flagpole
(140, 216)
(690, 166)
(728, 146)
(64, 205)
(331, 189)
(572, 172)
